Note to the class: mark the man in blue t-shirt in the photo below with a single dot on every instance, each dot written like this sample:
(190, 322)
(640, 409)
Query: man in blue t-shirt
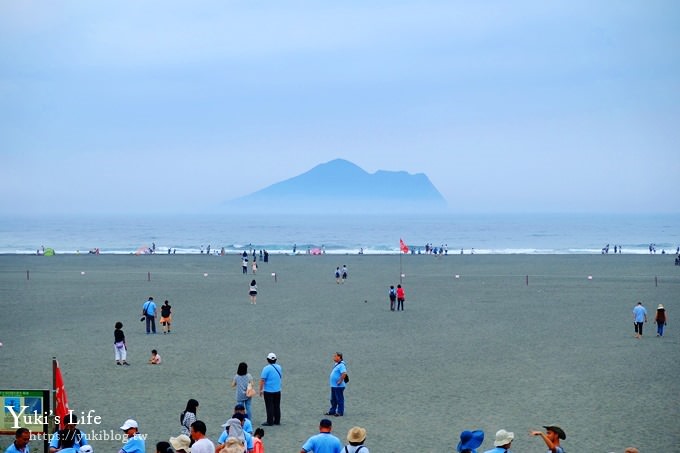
(270, 389)
(135, 443)
(639, 318)
(149, 312)
(56, 443)
(21, 439)
(324, 442)
(337, 383)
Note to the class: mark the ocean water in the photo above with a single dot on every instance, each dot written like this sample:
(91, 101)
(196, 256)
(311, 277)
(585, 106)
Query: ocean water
(343, 234)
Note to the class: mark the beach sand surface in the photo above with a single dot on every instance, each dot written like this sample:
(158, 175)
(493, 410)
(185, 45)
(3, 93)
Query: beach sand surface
(484, 351)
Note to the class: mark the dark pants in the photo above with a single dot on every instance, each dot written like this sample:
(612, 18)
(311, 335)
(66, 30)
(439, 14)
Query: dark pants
(638, 328)
(150, 322)
(392, 301)
(337, 401)
(400, 304)
(272, 404)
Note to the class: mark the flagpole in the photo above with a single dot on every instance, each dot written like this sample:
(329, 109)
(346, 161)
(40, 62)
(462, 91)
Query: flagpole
(400, 270)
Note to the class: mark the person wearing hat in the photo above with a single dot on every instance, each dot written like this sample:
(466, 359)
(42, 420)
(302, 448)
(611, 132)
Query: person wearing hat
(234, 428)
(502, 442)
(324, 442)
(356, 437)
(270, 388)
(660, 320)
(639, 319)
(80, 439)
(470, 441)
(552, 437)
(135, 443)
(86, 449)
(181, 443)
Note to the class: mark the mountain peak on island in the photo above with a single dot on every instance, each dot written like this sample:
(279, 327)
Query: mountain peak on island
(340, 186)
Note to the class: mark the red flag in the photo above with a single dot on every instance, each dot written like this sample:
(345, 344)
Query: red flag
(61, 399)
(403, 247)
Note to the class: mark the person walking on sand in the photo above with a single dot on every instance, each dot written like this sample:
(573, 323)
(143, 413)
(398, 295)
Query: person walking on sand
(401, 297)
(166, 316)
(337, 384)
(254, 268)
(660, 319)
(337, 275)
(639, 318)
(253, 292)
(149, 312)
(551, 438)
(393, 297)
(270, 389)
(119, 345)
(344, 273)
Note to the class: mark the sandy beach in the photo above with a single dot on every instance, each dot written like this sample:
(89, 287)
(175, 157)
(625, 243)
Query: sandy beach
(515, 342)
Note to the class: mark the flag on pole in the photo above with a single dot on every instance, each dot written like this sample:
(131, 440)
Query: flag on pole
(61, 399)
(403, 247)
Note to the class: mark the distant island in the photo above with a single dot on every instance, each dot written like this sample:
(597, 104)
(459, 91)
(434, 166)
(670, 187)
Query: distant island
(340, 186)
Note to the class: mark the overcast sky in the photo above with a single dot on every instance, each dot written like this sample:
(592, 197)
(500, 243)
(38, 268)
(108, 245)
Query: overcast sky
(175, 106)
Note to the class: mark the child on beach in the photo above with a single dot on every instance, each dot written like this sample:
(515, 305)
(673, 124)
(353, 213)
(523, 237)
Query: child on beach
(155, 358)
(258, 446)
(393, 297)
(119, 346)
(253, 292)
(166, 317)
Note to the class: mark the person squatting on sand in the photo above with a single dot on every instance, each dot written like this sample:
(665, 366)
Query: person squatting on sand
(155, 358)
(356, 437)
(270, 388)
(166, 317)
(502, 442)
(135, 443)
(470, 441)
(551, 438)
(324, 442)
(639, 318)
(337, 384)
(660, 319)
(119, 345)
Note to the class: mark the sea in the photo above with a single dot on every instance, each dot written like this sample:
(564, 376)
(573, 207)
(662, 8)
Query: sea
(342, 234)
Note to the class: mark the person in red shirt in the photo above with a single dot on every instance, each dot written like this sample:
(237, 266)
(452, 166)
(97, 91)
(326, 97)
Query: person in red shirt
(401, 297)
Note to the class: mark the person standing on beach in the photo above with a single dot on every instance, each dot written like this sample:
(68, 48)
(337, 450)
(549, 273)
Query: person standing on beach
(401, 297)
(149, 312)
(502, 442)
(324, 442)
(337, 275)
(166, 317)
(344, 273)
(241, 381)
(119, 345)
(135, 443)
(639, 318)
(253, 292)
(244, 264)
(660, 320)
(356, 437)
(187, 417)
(337, 384)
(551, 438)
(270, 389)
(393, 297)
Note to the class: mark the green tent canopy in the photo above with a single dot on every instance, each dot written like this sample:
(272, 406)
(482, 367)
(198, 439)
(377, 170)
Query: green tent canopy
(49, 252)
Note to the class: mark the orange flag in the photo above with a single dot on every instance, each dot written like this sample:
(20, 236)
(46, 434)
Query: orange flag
(403, 247)
(61, 399)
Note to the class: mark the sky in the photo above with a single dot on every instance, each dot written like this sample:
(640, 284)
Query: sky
(175, 107)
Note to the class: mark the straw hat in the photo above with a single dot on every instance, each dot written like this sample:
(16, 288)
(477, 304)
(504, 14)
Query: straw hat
(356, 434)
(660, 307)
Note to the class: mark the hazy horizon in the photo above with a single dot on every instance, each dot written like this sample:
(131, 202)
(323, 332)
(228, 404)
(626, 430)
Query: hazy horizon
(169, 107)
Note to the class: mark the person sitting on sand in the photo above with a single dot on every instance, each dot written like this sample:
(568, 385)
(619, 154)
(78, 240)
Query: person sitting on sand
(155, 358)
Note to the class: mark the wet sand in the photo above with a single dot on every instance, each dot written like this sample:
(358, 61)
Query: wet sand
(482, 351)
